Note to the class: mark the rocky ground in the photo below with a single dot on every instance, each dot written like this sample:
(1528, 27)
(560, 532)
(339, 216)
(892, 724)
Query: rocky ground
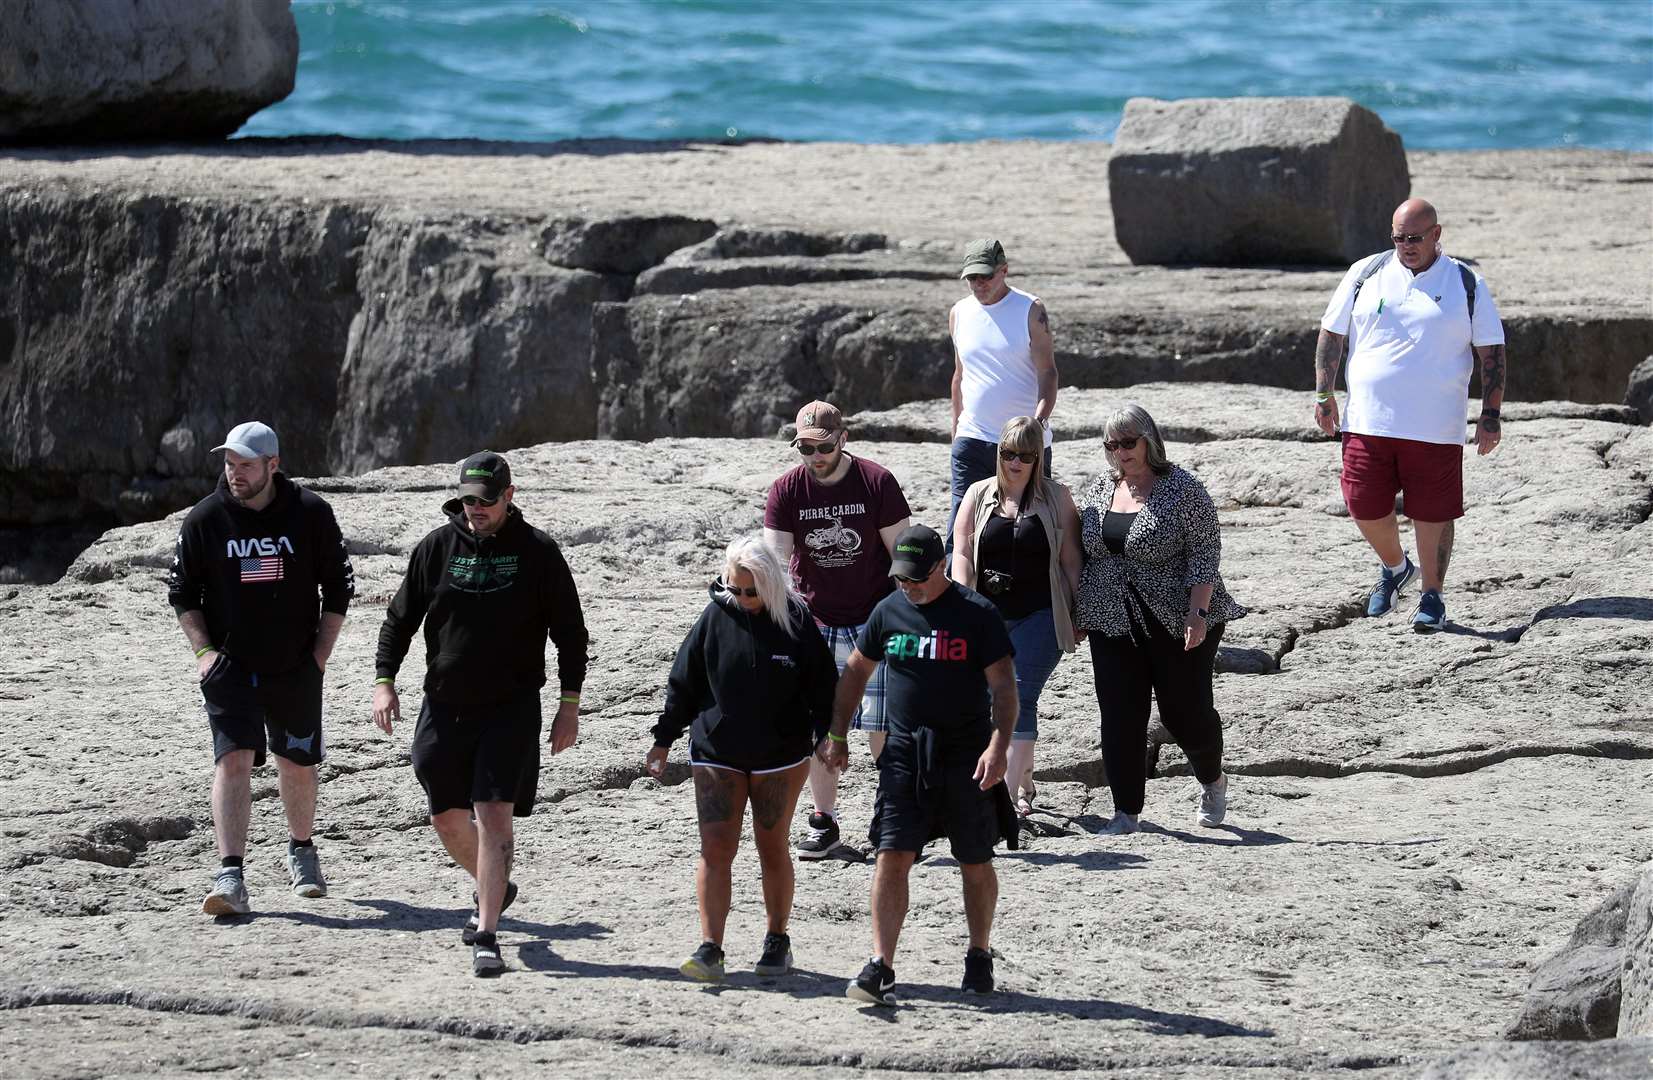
(1415, 821)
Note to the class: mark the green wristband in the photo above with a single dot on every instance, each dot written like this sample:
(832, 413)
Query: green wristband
(569, 699)
(1321, 398)
(202, 651)
(836, 738)
(384, 680)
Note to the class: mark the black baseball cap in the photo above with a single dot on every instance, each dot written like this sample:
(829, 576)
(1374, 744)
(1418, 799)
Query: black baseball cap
(484, 474)
(917, 551)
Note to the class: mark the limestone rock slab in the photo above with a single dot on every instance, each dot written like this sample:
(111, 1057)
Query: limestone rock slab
(94, 70)
(1636, 1007)
(1247, 181)
(1575, 993)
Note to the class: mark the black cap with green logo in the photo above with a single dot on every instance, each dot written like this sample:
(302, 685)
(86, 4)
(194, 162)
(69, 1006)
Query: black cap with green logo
(484, 474)
(917, 550)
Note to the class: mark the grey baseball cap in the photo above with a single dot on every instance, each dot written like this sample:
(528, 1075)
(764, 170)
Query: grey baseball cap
(252, 439)
(982, 257)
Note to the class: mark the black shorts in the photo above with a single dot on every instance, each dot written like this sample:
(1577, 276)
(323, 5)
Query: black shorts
(244, 706)
(466, 754)
(948, 802)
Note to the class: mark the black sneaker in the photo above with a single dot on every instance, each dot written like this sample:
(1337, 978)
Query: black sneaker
(978, 972)
(777, 955)
(485, 959)
(468, 935)
(822, 838)
(874, 984)
(705, 963)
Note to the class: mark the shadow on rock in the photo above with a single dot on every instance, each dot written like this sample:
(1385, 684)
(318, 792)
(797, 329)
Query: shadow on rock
(538, 956)
(1235, 836)
(1085, 860)
(1014, 1001)
(1599, 607)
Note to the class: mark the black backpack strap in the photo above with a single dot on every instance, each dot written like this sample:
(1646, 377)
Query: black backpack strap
(1468, 277)
(1373, 265)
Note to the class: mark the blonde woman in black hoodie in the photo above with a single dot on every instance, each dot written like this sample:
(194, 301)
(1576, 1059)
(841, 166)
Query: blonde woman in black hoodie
(754, 682)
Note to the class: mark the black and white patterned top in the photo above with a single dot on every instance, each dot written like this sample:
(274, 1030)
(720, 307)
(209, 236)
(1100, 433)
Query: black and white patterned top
(1174, 544)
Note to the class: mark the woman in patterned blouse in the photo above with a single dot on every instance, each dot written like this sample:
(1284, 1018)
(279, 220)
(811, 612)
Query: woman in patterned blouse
(1154, 607)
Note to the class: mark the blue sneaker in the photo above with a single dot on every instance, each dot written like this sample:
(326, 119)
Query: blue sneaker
(1382, 600)
(1431, 613)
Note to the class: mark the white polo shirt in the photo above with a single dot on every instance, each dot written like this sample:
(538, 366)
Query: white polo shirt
(1409, 351)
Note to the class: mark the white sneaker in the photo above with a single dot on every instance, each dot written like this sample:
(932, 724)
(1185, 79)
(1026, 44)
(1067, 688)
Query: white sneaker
(1120, 824)
(1213, 802)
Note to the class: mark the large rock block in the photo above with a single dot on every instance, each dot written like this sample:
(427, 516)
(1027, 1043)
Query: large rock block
(1638, 390)
(1575, 993)
(460, 345)
(1619, 1059)
(1636, 986)
(93, 70)
(1246, 181)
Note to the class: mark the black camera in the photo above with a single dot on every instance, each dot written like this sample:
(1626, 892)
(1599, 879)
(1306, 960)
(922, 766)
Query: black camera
(994, 582)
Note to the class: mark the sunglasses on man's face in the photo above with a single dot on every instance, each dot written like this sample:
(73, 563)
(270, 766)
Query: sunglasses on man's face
(1114, 445)
(477, 500)
(1408, 238)
(736, 590)
(814, 449)
(1011, 455)
(905, 580)
(977, 279)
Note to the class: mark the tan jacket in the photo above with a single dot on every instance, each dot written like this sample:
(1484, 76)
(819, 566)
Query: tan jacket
(983, 498)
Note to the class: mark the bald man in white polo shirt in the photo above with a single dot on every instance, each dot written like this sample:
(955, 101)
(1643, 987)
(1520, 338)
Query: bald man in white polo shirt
(1416, 322)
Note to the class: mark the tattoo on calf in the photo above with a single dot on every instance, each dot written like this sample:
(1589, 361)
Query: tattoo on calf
(1443, 550)
(714, 794)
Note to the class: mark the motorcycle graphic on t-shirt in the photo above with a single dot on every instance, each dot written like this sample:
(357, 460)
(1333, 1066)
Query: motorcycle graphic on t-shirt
(833, 545)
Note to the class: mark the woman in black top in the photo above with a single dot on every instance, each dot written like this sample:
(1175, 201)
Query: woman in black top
(1154, 605)
(1016, 541)
(754, 679)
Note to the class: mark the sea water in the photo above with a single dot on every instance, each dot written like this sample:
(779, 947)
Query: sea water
(1445, 75)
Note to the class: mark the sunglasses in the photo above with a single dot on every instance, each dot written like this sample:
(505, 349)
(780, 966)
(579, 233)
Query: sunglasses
(813, 449)
(911, 580)
(977, 279)
(1011, 455)
(735, 590)
(477, 500)
(1111, 445)
(1409, 238)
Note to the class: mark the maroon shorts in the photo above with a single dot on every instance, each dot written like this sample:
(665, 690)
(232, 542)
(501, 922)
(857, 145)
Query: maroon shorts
(1376, 467)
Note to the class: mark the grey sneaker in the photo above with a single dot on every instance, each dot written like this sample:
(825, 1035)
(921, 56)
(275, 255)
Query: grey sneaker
(228, 895)
(304, 871)
(1382, 599)
(1213, 802)
(1120, 824)
(704, 964)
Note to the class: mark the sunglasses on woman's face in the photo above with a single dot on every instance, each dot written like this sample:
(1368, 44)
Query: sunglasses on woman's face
(1113, 445)
(477, 500)
(1011, 455)
(736, 590)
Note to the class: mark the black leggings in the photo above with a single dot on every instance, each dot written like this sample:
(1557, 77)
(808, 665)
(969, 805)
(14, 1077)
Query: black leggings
(1126, 669)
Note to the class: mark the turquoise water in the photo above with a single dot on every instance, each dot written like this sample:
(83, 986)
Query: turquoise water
(1470, 73)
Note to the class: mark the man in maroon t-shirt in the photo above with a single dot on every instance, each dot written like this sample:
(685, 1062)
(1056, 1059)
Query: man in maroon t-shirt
(835, 519)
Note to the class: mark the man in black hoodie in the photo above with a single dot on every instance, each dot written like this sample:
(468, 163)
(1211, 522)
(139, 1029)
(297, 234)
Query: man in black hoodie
(490, 589)
(260, 581)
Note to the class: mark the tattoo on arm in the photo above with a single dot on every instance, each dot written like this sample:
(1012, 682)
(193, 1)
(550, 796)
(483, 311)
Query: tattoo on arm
(1328, 358)
(1044, 319)
(714, 795)
(1492, 374)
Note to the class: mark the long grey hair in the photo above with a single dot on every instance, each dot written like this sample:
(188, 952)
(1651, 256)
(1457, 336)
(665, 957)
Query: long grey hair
(773, 582)
(1132, 419)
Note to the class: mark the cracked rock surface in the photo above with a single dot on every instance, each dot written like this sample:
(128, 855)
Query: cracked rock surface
(1414, 822)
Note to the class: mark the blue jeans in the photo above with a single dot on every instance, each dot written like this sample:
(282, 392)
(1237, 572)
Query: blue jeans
(1037, 654)
(973, 460)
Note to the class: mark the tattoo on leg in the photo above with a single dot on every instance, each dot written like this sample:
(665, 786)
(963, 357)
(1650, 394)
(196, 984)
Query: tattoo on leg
(768, 797)
(714, 794)
(1443, 550)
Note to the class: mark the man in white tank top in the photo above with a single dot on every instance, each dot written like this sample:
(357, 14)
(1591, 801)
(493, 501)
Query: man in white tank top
(1004, 366)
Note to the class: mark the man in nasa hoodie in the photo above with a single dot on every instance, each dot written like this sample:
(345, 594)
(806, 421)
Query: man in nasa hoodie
(260, 581)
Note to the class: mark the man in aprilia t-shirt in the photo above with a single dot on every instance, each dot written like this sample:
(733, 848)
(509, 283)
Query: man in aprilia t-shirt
(261, 581)
(951, 698)
(835, 517)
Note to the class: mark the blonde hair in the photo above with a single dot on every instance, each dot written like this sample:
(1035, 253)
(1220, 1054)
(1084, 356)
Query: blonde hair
(1132, 419)
(774, 584)
(1024, 435)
